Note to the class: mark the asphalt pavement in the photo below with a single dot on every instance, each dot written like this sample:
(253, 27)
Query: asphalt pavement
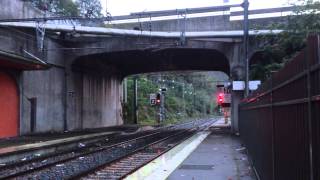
(218, 157)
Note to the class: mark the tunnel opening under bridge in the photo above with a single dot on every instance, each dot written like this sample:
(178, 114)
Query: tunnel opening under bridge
(103, 74)
(174, 96)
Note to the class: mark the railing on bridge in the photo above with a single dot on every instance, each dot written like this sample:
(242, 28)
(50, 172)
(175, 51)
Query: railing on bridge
(280, 122)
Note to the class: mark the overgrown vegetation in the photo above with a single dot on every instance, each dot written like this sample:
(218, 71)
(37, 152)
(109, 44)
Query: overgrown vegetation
(279, 49)
(84, 8)
(188, 96)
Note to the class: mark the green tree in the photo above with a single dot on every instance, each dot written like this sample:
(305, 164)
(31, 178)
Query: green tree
(279, 49)
(68, 7)
(188, 95)
(89, 8)
(59, 7)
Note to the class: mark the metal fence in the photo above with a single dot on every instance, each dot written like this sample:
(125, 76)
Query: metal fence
(280, 122)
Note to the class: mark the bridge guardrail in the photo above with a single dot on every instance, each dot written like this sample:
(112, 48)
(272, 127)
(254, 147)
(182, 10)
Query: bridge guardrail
(280, 122)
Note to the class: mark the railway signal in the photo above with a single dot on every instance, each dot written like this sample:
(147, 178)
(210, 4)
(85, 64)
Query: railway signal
(155, 99)
(220, 98)
(158, 99)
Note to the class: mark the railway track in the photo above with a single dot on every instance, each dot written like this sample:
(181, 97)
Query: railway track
(126, 165)
(72, 164)
(25, 166)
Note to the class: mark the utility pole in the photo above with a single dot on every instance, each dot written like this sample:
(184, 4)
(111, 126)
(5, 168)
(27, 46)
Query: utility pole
(183, 99)
(125, 91)
(194, 100)
(245, 6)
(162, 113)
(106, 7)
(135, 100)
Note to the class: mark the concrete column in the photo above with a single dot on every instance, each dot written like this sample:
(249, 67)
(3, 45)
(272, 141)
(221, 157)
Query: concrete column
(237, 65)
(236, 97)
(101, 103)
(73, 96)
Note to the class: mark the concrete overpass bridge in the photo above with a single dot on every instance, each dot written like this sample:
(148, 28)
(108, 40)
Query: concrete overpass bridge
(74, 81)
(70, 78)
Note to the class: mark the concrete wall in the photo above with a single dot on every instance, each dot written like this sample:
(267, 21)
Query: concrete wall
(69, 100)
(93, 101)
(74, 100)
(192, 24)
(11, 9)
(236, 100)
(66, 100)
(48, 88)
(212, 23)
(101, 101)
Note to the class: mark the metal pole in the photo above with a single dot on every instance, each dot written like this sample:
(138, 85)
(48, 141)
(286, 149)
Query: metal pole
(106, 7)
(125, 91)
(135, 103)
(194, 100)
(183, 101)
(160, 107)
(162, 112)
(245, 6)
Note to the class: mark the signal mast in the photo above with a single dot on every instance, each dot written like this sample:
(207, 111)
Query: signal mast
(224, 100)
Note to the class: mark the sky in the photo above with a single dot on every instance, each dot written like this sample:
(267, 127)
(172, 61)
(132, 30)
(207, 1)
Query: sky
(124, 7)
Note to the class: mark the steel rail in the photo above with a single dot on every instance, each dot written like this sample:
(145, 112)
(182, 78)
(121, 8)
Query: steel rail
(187, 132)
(66, 159)
(160, 154)
(129, 154)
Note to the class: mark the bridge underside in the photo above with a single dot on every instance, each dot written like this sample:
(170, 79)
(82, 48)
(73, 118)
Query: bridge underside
(97, 79)
(126, 63)
(82, 87)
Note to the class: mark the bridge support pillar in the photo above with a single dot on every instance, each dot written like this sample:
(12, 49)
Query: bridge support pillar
(236, 99)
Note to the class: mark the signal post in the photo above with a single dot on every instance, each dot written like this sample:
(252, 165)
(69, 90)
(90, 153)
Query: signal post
(157, 99)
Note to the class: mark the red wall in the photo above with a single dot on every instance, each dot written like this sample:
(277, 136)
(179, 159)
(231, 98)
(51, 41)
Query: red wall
(9, 106)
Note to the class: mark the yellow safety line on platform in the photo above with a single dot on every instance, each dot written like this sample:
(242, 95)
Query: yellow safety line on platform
(48, 143)
(164, 165)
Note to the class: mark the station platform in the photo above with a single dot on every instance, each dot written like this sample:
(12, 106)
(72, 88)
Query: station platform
(41, 137)
(205, 156)
(23, 144)
(218, 157)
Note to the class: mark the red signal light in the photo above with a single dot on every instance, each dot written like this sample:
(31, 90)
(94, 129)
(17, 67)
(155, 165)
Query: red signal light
(158, 99)
(220, 98)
